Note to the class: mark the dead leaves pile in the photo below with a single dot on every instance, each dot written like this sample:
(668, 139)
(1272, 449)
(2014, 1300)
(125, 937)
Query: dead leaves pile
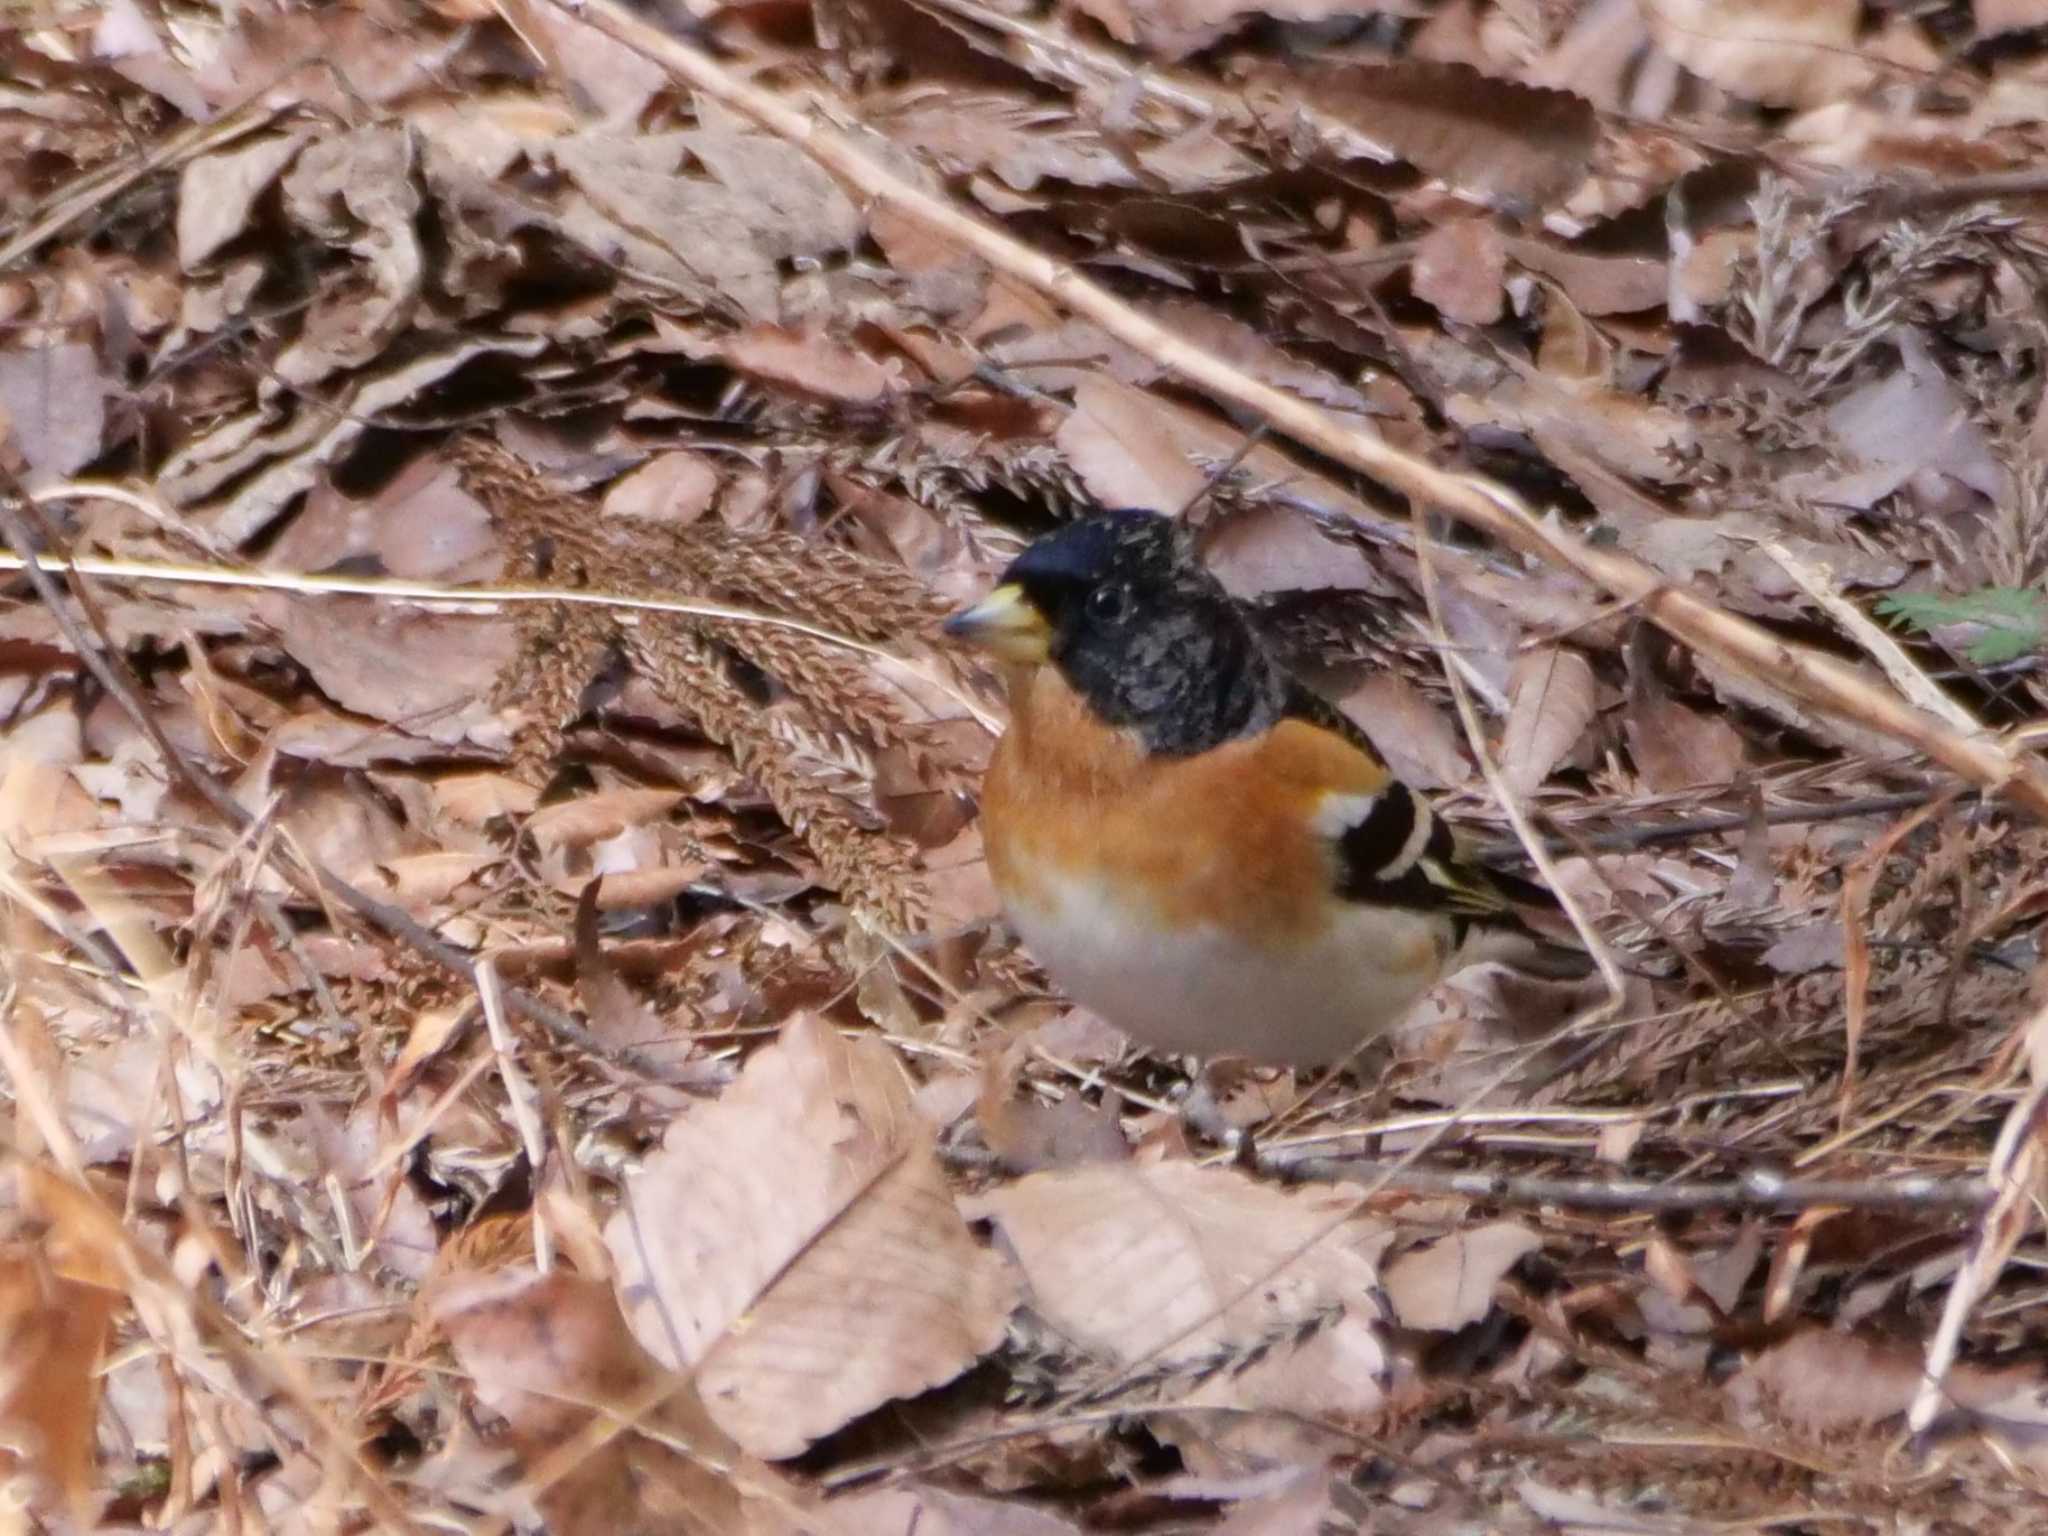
(755, 1185)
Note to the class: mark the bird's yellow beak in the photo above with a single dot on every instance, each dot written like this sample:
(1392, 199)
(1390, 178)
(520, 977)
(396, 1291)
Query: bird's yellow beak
(1007, 624)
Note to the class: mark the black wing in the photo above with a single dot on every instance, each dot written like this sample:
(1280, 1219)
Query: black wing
(1399, 854)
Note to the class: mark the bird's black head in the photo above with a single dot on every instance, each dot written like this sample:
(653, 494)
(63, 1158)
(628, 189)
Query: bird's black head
(1119, 603)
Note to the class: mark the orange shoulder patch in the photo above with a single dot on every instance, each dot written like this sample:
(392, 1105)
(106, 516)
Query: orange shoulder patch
(1314, 762)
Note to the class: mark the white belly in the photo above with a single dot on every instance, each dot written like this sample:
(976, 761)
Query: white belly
(1208, 993)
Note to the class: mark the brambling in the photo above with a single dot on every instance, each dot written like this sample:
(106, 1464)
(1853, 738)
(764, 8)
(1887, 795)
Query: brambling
(1192, 843)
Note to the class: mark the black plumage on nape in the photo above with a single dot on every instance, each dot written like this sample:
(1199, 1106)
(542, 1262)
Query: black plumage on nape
(1148, 636)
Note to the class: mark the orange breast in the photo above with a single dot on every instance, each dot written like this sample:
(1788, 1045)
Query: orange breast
(1223, 838)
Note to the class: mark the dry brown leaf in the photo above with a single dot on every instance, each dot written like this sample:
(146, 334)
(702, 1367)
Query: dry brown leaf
(1596, 285)
(1173, 29)
(1674, 745)
(1551, 703)
(1018, 140)
(1996, 16)
(1787, 53)
(55, 400)
(720, 238)
(941, 1512)
(1514, 145)
(54, 1328)
(673, 488)
(217, 192)
(617, 80)
(1572, 350)
(1128, 447)
(811, 361)
(1029, 1135)
(551, 1356)
(1172, 1262)
(422, 525)
(593, 818)
(1244, 346)
(1821, 1380)
(430, 674)
(1447, 1284)
(420, 882)
(1415, 737)
(1579, 416)
(474, 799)
(127, 39)
(617, 1015)
(1302, 1504)
(1459, 267)
(358, 191)
(1900, 424)
(795, 1243)
(389, 1219)
(1276, 549)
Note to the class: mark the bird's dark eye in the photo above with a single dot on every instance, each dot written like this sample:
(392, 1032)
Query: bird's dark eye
(1110, 604)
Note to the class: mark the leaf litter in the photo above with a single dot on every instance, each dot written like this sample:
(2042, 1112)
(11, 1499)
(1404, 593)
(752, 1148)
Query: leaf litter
(775, 1192)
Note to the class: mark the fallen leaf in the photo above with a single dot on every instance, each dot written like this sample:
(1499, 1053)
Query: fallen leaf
(218, 192)
(1788, 53)
(1029, 1134)
(1127, 447)
(1257, 355)
(1275, 549)
(1910, 419)
(617, 1015)
(1173, 29)
(357, 191)
(671, 488)
(55, 399)
(1596, 285)
(422, 525)
(1675, 746)
(551, 1356)
(1459, 267)
(812, 362)
(1447, 1284)
(619, 81)
(927, 1511)
(1513, 144)
(1551, 703)
(1415, 737)
(1996, 16)
(1171, 1261)
(795, 1245)
(592, 818)
(429, 673)
(721, 237)
(55, 1330)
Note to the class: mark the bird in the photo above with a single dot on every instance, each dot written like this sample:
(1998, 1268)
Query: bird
(1191, 842)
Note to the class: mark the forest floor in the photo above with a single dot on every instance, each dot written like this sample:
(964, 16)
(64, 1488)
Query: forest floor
(506, 1022)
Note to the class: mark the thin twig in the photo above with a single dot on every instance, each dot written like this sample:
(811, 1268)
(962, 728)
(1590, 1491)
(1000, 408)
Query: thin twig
(1757, 1190)
(1693, 828)
(2013, 1181)
(442, 597)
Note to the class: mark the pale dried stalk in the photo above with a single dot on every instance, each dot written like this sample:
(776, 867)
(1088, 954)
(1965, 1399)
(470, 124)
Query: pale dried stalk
(1818, 681)
(2014, 1175)
(519, 1099)
(1818, 583)
(438, 597)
